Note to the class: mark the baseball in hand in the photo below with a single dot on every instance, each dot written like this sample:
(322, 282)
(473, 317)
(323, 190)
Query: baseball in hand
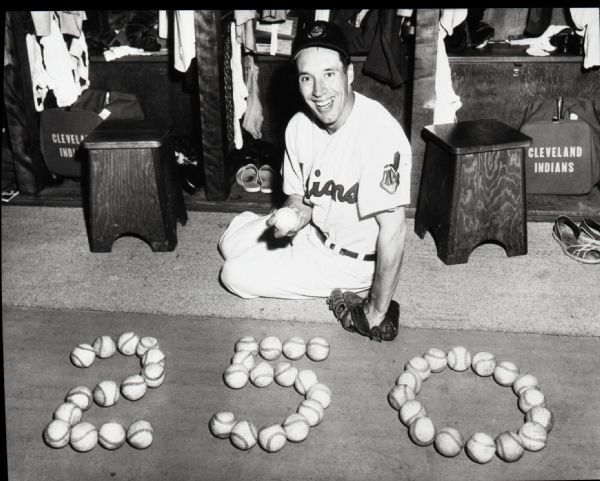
(286, 219)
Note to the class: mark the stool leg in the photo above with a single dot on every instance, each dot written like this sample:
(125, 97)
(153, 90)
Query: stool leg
(435, 201)
(98, 245)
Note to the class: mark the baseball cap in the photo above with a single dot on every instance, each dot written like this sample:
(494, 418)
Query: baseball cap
(320, 34)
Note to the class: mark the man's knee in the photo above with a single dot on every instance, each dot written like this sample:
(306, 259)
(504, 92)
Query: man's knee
(236, 278)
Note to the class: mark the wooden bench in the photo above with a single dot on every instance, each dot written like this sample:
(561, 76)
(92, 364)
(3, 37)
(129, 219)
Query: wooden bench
(134, 187)
(473, 188)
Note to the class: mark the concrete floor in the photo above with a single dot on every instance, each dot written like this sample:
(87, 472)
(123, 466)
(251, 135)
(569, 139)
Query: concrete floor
(360, 437)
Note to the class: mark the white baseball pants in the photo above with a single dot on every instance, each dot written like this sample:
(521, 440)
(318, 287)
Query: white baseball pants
(257, 265)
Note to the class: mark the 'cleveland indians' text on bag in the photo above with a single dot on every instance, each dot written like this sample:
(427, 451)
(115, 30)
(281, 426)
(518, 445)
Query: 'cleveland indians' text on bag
(564, 157)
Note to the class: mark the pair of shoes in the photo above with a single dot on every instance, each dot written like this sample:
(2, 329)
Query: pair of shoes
(254, 179)
(575, 242)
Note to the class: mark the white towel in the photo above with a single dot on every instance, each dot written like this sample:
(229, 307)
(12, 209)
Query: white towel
(184, 39)
(240, 91)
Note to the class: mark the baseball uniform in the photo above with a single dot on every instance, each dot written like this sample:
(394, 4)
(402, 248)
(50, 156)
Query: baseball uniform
(348, 176)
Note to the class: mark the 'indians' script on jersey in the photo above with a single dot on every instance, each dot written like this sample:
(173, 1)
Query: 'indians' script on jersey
(351, 175)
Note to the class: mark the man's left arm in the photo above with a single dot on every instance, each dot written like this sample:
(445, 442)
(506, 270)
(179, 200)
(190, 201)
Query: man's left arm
(390, 252)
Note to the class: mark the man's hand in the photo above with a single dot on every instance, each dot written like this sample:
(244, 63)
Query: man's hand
(280, 230)
(303, 212)
(372, 314)
(351, 310)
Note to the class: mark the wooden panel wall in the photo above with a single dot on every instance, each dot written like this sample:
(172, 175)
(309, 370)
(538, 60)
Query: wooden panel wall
(156, 84)
(491, 90)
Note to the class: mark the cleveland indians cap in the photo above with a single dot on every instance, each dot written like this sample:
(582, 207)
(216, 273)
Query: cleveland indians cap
(321, 34)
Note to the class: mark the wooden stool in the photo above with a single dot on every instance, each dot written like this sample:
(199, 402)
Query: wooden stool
(473, 188)
(134, 185)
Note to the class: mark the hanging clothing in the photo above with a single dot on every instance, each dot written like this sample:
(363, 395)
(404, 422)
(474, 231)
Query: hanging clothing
(240, 91)
(184, 39)
(79, 53)
(587, 20)
(42, 22)
(163, 24)
(538, 20)
(322, 15)
(60, 66)
(39, 76)
(446, 102)
(386, 60)
(273, 16)
(70, 22)
(244, 28)
(358, 34)
(253, 118)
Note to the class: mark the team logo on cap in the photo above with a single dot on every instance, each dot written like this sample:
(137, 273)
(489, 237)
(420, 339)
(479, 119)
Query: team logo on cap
(316, 31)
(391, 176)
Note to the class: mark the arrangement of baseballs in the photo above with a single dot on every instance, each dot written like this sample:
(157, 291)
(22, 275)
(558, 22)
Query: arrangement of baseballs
(479, 447)
(67, 426)
(249, 363)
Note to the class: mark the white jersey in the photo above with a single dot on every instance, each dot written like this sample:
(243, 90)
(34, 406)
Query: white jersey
(360, 170)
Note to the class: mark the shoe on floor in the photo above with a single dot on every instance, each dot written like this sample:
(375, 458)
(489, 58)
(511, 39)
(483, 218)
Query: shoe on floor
(247, 177)
(574, 245)
(590, 228)
(266, 176)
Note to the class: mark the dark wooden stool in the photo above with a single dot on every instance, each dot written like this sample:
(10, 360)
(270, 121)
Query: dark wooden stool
(473, 188)
(134, 186)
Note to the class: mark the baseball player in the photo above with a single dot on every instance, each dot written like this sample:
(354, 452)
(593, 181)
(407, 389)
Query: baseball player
(346, 174)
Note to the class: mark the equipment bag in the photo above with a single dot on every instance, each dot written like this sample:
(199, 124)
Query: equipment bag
(564, 157)
(63, 129)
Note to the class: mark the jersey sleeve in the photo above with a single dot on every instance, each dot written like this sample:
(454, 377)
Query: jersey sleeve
(293, 182)
(386, 170)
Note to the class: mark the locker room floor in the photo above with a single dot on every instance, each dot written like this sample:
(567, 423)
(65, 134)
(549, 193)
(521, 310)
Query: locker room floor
(360, 437)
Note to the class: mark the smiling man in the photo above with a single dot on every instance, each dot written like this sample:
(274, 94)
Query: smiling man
(346, 174)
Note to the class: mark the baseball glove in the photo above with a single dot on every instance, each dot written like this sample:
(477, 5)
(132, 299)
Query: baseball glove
(347, 308)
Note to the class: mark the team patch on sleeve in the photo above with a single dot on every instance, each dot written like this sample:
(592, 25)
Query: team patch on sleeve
(391, 177)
